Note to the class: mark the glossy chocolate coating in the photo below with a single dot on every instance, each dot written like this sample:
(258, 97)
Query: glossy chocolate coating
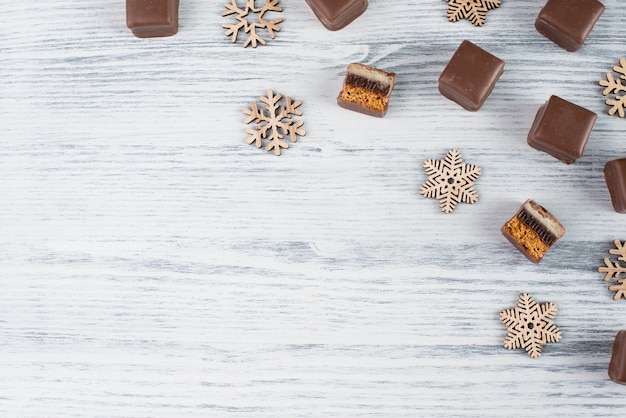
(152, 18)
(337, 14)
(615, 176)
(568, 22)
(617, 366)
(561, 129)
(470, 76)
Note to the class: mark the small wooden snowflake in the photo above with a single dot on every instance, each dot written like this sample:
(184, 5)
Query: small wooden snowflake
(614, 86)
(450, 181)
(473, 10)
(274, 122)
(530, 325)
(615, 270)
(251, 27)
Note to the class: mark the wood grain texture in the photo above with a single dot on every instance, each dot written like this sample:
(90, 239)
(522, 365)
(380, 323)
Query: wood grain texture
(153, 264)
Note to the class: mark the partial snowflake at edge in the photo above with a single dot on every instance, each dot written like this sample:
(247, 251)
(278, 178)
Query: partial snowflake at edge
(241, 15)
(614, 86)
(473, 10)
(274, 122)
(614, 270)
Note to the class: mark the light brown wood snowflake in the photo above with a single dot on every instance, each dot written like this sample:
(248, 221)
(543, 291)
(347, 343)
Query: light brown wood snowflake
(241, 15)
(473, 10)
(615, 86)
(274, 122)
(530, 325)
(615, 270)
(450, 181)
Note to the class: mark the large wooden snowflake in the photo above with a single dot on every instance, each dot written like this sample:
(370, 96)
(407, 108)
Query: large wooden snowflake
(473, 10)
(615, 270)
(450, 181)
(530, 325)
(241, 15)
(615, 86)
(274, 122)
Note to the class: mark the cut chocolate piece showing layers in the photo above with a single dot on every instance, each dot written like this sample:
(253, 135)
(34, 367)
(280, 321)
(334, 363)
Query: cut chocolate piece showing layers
(567, 23)
(337, 14)
(533, 230)
(152, 18)
(366, 90)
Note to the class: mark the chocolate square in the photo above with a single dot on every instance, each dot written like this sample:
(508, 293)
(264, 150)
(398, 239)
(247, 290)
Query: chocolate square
(615, 176)
(568, 22)
(561, 129)
(617, 366)
(336, 14)
(152, 18)
(470, 76)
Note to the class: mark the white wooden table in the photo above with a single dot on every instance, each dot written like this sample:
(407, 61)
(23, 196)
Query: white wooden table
(154, 264)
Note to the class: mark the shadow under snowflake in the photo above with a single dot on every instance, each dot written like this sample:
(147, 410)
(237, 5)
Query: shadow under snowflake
(249, 28)
(274, 122)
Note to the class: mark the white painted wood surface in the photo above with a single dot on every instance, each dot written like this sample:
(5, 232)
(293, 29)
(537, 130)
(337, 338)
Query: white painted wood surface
(153, 264)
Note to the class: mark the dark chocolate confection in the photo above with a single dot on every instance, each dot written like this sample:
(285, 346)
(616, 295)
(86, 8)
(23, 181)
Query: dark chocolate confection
(152, 18)
(561, 129)
(617, 366)
(533, 230)
(336, 14)
(615, 176)
(568, 22)
(366, 90)
(470, 76)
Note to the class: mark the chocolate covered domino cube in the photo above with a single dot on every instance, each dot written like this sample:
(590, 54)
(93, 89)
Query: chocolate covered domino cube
(615, 177)
(561, 129)
(366, 90)
(533, 230)
(336, 14)
(568, 22)
(470, 76)
(617, 366)
(152, 18)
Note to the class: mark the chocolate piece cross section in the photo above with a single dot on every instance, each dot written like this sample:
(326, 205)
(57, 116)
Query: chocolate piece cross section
(366, 90)
(152, 18)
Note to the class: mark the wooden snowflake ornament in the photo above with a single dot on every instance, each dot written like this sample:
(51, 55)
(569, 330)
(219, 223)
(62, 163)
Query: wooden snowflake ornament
(473, 10)
(530, 325)
(615, 86)
(615, 270)
(450, 181)
(274, 122)
(250, 28)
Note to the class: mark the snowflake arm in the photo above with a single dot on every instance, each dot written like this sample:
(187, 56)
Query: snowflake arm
(621, 68)
(617, 105)
(233, 8)
(612, 85)
(619, 289)
(611, 271)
